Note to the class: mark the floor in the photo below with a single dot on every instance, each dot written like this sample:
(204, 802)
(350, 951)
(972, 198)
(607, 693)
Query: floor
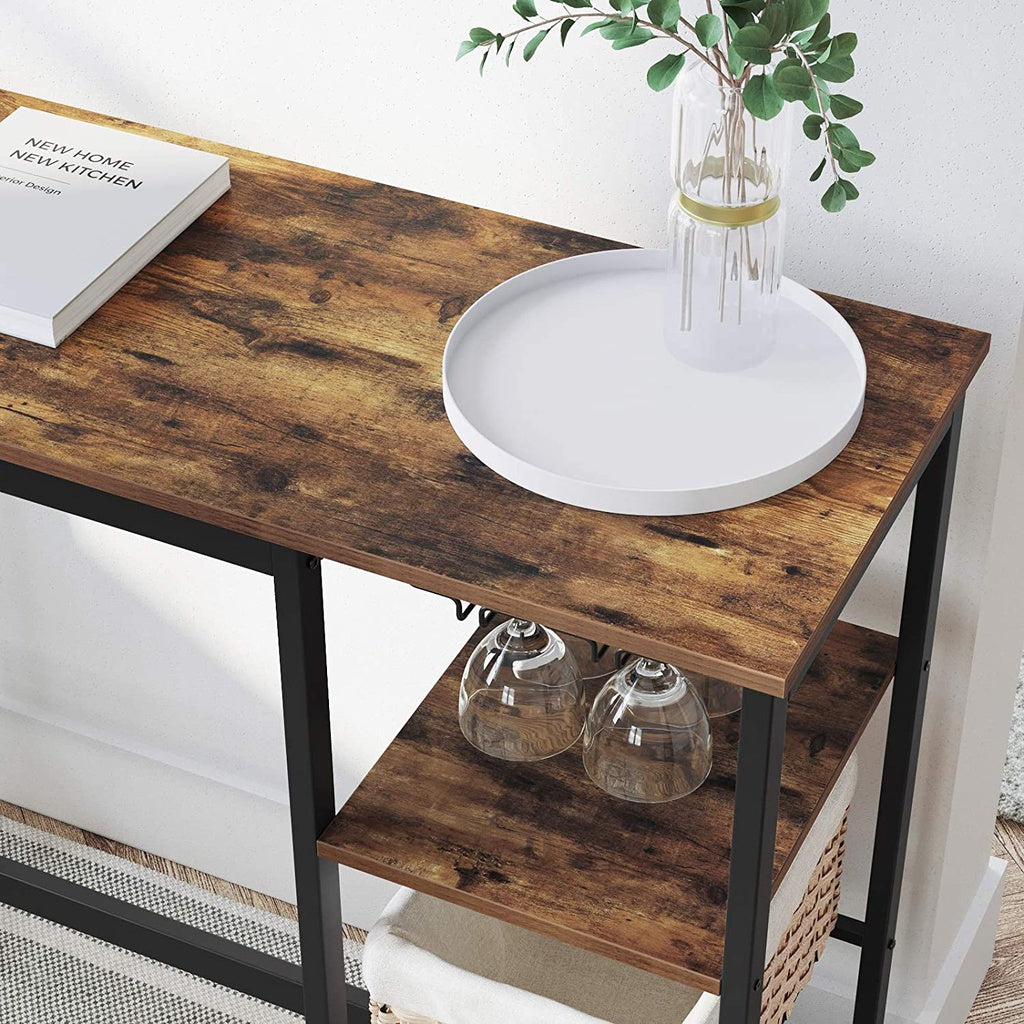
(149, 860)
(1001, 1000)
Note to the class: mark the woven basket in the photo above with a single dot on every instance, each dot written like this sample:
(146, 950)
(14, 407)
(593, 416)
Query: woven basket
(789, 969)
(804, 942)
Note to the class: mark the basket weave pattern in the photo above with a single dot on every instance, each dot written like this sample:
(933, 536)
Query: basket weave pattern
(804, 942)
(789, 969)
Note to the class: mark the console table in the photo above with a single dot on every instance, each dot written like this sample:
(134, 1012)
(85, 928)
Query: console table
(267, 392)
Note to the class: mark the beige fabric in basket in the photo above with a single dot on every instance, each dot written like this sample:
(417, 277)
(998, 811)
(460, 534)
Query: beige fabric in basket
(439, 962)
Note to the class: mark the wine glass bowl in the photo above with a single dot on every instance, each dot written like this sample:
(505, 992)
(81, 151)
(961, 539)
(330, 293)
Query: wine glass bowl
(720, 698)
(521, 698)
(648, 737)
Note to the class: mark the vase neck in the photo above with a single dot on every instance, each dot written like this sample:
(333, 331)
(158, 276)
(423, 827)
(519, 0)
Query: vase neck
(721, 154)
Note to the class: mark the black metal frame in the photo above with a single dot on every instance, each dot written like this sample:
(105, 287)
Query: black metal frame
(751, 867)
(906, 718)
(759, 774)
(317, 989)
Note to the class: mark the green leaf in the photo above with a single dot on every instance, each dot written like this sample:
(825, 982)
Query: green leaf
(738, 18)
(508, 52)
(819, 9)
(812, 101)
(834, 198)
(845, 163)
(817, 170)
(754, 44)
(761, 99)
(853, 160)
(813, 125)
(594, 26)
(565, 29)
(661, 75)
(626, 6)
(805, 13)
(792, 81)
(775, 21)
(753, 6)
(637, 38)
(576, 3)
(664, 13)
(483, 61)
(844, 107)
(737, 65)
(843, 45)
(709, 30)
(797, 13)
(467, 46)
(850, 189)
(841, 137)
(821, 32)
(834, 69)
(618, 28)
(481, 36)
(525, 9)
(531, 47)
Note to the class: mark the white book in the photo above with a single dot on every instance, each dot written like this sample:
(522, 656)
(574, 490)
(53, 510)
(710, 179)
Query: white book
(83, 209)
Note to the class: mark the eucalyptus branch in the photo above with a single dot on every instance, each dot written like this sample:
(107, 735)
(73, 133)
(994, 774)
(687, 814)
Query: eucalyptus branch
(615, 16)
(715, 51)
(741, 41)
(684, 43)
(821, 109)
(550, 21)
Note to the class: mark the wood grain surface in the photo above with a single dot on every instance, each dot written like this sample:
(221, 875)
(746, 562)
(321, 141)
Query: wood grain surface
(277, 371)
(542, 847)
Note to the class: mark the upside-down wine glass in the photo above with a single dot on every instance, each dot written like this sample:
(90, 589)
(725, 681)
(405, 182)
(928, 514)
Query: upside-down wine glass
(522, 697)
(648, 738)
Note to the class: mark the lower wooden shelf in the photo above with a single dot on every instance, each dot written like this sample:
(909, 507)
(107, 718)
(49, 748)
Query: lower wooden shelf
(540, 846)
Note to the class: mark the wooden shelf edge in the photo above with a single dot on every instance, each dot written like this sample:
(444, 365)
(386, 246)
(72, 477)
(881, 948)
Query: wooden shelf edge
(674, 972)
(532, 845)
(844, 761)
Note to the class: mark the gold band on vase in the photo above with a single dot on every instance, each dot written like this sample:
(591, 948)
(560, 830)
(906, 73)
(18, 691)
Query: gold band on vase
(729, 216)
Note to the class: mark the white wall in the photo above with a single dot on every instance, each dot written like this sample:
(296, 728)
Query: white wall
(140, 697)
(574, 139)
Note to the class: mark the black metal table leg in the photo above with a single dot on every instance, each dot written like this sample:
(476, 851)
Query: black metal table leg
(917, 630)
(307, 725)
(755, 817)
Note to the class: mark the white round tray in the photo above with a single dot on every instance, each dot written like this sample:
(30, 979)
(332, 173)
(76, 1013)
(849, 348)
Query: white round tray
(560, 380)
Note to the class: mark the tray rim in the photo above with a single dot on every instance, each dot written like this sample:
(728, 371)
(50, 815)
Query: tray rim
(625, 500)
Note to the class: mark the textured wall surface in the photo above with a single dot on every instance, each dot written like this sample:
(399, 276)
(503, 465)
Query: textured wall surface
(577, 140)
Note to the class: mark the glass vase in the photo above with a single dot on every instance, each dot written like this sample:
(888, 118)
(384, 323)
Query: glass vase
(726, 225)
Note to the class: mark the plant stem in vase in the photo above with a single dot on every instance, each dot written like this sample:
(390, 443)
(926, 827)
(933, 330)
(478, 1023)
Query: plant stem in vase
(726, 225)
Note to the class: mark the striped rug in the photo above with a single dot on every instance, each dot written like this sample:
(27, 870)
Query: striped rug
(52, 975)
